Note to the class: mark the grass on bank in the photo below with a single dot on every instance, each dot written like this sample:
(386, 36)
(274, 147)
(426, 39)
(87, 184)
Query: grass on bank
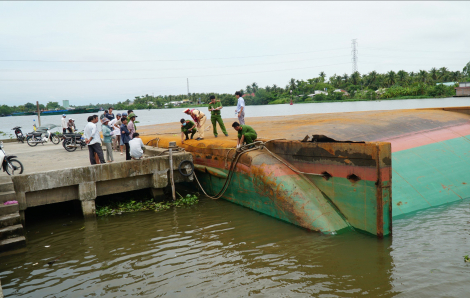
(118, 207)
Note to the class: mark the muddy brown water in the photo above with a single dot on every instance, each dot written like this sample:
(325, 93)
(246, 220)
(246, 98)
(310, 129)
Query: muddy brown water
(219, 249)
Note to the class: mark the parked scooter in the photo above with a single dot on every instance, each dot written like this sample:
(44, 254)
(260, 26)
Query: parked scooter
(9, 164)
(41, 137)
(72, 141)
(19, 134)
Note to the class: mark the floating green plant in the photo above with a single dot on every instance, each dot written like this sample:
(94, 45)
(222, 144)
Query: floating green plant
(117, 208)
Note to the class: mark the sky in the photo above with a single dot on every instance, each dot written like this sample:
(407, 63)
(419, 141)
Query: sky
(106, 52)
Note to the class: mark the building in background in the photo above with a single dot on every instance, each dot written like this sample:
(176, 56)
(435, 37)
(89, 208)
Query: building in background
(65, 104)
(463, 89)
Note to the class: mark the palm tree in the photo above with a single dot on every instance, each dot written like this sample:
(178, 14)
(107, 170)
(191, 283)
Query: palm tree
(345, 77)
(254, 87)
(274, 87)
(423, 76)
(248, 89)
(322, 75)
(292, 84)
(356, 77)
(443, 74)
(372, 77)
(455, 76)
(401, 74)
(391, 78)
(433, 73)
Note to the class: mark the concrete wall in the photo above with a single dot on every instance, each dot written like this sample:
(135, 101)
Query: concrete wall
(86, 183)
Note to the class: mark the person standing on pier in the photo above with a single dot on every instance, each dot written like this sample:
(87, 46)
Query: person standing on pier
(64, 124)
(107, 134)
(125, 137)
(214, 108)
(110, 114)
(240, 107)
(200, 120)
(246, 134)
(115, 124)
(187, 127)
(131, 125)
(93, 139)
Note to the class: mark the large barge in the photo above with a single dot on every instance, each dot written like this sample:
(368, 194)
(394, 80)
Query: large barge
(426, 151)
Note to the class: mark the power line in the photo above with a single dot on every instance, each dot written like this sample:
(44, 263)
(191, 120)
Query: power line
(176, 77)
(408, 50)
(161, 60)
(173, 68)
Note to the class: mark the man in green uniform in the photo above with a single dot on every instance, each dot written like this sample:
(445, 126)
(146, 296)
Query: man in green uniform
(187, 127)
(246, 134)
(214, 108)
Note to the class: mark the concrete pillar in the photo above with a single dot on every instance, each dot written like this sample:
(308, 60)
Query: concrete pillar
(160, 179)
(156, 192)
(87, 196)
(23, 219)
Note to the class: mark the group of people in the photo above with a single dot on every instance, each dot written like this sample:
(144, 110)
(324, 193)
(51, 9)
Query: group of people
(118, 131)
(246, 134)
(68, 126)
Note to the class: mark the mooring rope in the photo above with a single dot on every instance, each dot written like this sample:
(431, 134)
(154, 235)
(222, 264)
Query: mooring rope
(259, 145)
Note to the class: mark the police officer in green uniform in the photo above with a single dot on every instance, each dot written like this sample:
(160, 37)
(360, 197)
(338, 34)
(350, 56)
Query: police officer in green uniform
(214, 108)
(246, 134)
(187, 127)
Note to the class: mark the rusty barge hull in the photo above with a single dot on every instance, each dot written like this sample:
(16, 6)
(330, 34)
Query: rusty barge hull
(419, 156)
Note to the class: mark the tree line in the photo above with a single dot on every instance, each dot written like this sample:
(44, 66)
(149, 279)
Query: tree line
(370, 86)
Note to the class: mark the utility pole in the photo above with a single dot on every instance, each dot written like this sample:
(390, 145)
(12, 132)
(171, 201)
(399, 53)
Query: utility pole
(187, 81)
(39, 113)
(354, 55)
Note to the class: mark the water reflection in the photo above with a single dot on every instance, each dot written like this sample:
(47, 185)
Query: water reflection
(214, 249)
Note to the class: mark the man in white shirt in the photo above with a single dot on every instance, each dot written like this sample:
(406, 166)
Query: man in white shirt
(136, 146)
(93, 139)
(240, 108)
(64, 124)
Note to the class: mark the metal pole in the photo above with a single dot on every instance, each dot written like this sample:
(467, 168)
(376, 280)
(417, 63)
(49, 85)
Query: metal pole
(171, 174)
(39, 113)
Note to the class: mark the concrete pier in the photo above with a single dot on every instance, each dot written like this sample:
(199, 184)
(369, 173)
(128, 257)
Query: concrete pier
(53, 175)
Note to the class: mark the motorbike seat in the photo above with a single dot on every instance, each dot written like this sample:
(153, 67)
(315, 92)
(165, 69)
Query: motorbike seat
(37, 134)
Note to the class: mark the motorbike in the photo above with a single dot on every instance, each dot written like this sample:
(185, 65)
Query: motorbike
(19, 134)
(9, 164)
(41, 137)
(72, 141)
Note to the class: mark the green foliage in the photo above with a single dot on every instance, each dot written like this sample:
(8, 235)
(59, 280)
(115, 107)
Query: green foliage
(320, 97)
(466, 258)
(119, 207)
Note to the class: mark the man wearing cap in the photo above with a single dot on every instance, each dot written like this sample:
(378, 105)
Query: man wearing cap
(110, 114)
(214, 108)
(240, 107)
(93, 139)
(246, 134)
(131, 126)
(187, 127)
(115, 124)
(107, 134)
(64, 124)
(200, 120)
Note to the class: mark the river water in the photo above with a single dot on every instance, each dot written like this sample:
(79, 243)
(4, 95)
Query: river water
(219, 249)
(148, 117)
